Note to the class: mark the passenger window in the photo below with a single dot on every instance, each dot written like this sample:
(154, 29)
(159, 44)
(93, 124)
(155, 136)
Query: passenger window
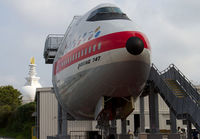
(68, 60)
(99, 46)
(89, 50)
(94, 47)
(78, 54)
(82, 52)
(85, 51)
(73, 58)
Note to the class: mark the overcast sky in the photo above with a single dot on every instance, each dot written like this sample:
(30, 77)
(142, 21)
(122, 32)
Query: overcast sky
(172, 27)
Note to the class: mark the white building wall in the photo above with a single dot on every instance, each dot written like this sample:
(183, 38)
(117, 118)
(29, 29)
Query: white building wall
(48, 111)
(79, 127)
(163, 114)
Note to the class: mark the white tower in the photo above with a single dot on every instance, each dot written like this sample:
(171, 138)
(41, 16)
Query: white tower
(29, 89)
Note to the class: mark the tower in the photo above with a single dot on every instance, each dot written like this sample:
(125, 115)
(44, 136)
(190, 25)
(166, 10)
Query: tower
(32, 82)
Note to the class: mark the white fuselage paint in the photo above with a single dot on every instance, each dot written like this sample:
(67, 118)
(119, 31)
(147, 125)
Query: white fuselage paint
(115, 73)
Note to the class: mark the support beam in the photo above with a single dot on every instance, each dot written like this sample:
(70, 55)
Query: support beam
(153, 111)
(123, 126)
(113, 128)
(59, 119)
(64, 123)
(173, 122)
(142, 118)
(189, 130)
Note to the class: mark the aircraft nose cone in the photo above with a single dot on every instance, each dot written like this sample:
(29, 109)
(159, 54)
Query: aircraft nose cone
(134, 45)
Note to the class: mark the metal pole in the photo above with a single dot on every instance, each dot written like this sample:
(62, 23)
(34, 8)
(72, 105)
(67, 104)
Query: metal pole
(59, 119)
(153, 111)
(142, 118)
(173, 122)
(189, 130)
(113, 127)
(123, 126)
(64, 123)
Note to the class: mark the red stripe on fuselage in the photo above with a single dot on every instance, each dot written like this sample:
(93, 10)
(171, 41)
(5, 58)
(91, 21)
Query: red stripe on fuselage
(106, 42)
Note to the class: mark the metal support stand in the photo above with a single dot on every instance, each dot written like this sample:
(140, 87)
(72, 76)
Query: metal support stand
(113, 128)
(189, 130)
(142, 118)
(123, 126)
(173, 122)
(64, 123)
(153, 111)
(59, 119)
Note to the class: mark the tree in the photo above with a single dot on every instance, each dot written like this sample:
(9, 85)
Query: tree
(10, 99)
(22, 120)
(5, 113)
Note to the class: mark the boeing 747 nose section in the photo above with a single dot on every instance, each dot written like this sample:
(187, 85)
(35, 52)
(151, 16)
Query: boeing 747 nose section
(102, 57)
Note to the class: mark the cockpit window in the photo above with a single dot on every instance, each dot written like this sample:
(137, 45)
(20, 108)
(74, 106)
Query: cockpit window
(105, 10)
(107, 13)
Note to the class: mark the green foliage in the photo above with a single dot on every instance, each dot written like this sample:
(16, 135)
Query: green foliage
(15, 119)
(10, 99)
(20, 137)
(22, 116)
(5, 112)
(22, 121)
(10, 96)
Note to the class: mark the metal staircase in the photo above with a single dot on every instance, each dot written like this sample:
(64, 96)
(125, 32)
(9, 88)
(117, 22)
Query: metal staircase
(176, 88)
(178, 93)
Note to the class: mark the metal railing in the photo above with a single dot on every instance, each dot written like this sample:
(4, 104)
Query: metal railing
(187, 107)
(174, 73)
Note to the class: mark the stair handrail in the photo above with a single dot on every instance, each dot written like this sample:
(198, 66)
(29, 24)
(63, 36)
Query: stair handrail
(194, 94)
(194, 97)
(190, 95)
(159, 75)
(192, 85)
(167, 69)
(171, 66)
(154, 66)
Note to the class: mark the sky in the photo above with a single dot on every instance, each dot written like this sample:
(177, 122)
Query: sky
(172, 27)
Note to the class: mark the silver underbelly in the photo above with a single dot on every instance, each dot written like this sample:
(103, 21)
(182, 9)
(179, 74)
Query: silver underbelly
(80, 93)
(117, 74)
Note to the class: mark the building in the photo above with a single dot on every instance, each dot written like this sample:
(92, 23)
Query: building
(32, 82)
(46, 113)
(47, 117)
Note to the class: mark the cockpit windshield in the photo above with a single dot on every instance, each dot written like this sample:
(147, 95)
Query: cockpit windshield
(107, 13)
(109, 10)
